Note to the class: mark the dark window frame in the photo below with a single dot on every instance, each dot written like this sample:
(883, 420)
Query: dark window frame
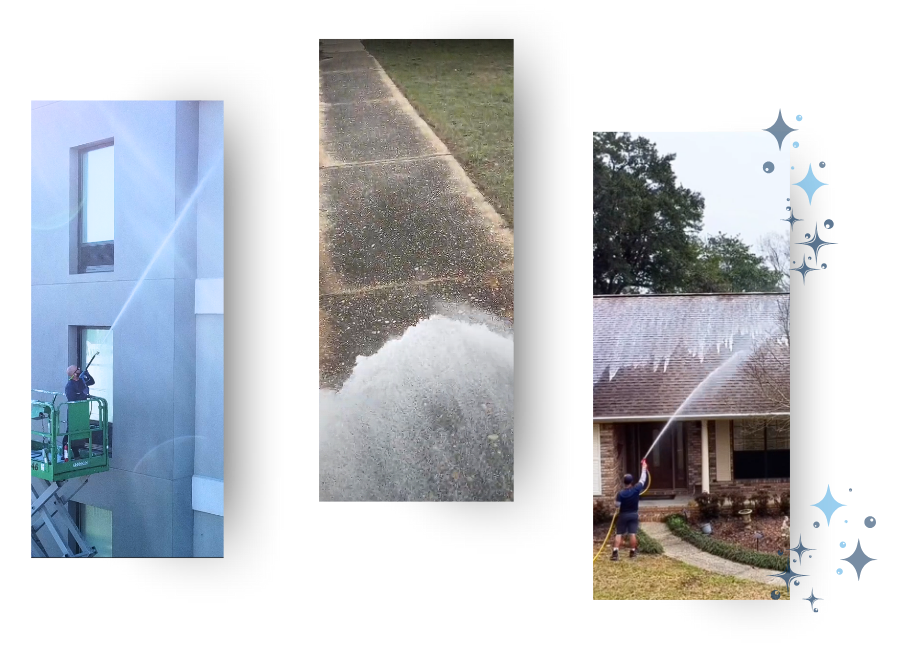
(766, 464)
(81, 361)
(93, 257)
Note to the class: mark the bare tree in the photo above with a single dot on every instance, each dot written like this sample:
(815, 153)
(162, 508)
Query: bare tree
(768, 368)
(775, 249)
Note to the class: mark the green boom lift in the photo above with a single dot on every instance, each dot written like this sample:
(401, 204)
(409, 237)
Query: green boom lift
(62, 459)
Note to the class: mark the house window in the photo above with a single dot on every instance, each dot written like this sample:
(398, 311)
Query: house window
(96, 526)
(762, 450)
(96, 222)
(99, 341)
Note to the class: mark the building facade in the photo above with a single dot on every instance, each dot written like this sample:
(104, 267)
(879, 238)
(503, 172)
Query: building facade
(128, 262)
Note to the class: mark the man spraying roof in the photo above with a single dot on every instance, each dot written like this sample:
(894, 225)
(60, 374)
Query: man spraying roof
(627, 503)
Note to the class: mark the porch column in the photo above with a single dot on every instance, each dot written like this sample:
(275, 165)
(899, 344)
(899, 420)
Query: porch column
(704, 456)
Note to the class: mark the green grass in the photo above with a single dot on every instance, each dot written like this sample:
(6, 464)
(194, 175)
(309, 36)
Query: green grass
(464, 91)
(657, 577)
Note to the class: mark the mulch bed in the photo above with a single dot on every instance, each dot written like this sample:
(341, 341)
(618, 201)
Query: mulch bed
(731, 530)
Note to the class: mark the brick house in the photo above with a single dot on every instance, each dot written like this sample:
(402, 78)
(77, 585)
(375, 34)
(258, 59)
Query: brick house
(651, 352)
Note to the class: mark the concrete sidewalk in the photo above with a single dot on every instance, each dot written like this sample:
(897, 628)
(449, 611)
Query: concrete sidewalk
(401, 226)
(675, 547)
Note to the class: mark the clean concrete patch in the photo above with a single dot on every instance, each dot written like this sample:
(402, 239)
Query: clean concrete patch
(360, 323)
(341, 45)
(373, 131)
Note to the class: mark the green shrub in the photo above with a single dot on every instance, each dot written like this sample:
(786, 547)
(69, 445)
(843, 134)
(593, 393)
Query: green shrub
(784, 504)
(760, 501)
(709, 506)
(647, 544)
(602, 513)
(736, 497)
(729, 551)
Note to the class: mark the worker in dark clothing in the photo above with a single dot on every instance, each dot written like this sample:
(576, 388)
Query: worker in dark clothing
(77, 389)
(627, 503)
(77, 386)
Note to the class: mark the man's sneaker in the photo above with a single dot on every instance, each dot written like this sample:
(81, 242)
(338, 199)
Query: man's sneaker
(632, 553)
(615, 555)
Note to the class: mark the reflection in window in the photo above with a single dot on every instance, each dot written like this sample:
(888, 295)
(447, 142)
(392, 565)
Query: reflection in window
(97, 195)
(96, 524)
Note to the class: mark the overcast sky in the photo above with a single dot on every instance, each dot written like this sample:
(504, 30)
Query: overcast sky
(727, 169)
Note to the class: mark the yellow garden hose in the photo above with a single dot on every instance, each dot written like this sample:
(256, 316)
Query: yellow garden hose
(613, 522)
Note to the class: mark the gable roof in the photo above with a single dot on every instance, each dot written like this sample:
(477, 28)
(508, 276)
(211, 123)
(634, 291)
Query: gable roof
(652, 351)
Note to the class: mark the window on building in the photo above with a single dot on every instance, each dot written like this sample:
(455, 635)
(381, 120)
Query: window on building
(98, 340)
(96, 526)
(96, 222)
(762, 449)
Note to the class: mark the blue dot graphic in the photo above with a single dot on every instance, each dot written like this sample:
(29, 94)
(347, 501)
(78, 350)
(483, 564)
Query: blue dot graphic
(780, 552)
(843, 544)
(845, 521)
(824, 265)
(796, 144)
(840, 571)
(775, 595)
(870, 522)
(794, 560)
(792, 166)
(815, 609)
(822, 164)
(768, 167)
(829, 224)
(815, 524)
(796, 583)
(799, 118)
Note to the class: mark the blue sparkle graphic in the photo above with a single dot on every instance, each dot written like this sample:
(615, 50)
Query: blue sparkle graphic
(828, 505)
(792, 219)
(804, 269)
(858, 559)
(800, 549)
(787, 576)
(810, 184)
(812, 600)
(779, 130)
(816, 243)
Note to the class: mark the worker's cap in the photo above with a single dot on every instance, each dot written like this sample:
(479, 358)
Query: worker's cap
(629, 479)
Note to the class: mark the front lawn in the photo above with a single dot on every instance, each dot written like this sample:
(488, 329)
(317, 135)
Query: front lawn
(657, 577)
(464, 91)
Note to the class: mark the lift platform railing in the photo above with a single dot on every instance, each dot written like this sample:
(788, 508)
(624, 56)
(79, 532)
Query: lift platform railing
(88, 441)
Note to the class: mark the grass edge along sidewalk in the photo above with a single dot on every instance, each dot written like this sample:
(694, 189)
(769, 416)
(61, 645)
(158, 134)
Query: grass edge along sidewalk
(732, 552)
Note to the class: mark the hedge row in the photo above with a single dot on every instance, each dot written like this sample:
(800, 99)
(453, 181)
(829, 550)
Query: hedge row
(728, 551)
(647, 544)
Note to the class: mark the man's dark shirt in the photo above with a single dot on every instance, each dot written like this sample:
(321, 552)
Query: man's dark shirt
(628, 499)
(77, 389)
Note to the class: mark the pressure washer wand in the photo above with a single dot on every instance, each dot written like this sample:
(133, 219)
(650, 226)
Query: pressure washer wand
(91, 361)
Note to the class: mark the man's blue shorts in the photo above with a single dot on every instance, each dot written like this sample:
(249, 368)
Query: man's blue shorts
(627, 523)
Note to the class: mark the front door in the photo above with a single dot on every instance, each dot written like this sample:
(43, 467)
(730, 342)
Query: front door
(666, 461)
(659, 460)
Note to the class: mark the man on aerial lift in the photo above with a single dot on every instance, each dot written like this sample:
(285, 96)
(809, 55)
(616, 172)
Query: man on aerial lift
(76, 389)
